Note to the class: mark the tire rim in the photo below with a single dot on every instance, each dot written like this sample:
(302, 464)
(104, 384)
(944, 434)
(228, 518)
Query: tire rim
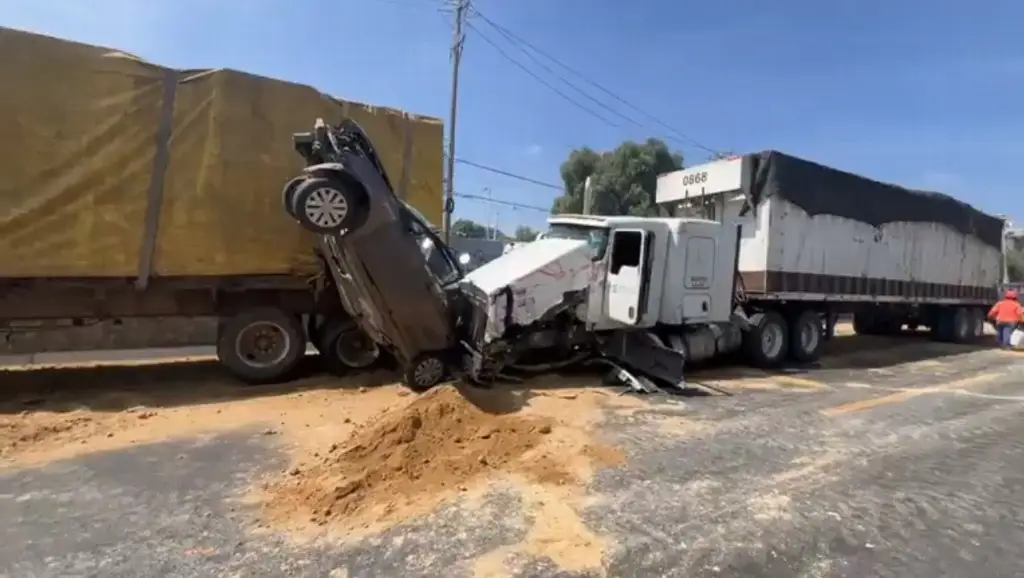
(357, 351)
(263, 344)
(771, 341)
(326, 207)
(428, 372)
(810, 336)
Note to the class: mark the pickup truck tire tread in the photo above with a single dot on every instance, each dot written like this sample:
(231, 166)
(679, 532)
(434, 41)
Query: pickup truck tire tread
(288, 336)
(288, 195)
(769, 325)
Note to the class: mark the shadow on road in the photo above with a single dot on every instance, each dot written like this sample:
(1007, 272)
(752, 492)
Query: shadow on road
(156, 385)
(119, 387)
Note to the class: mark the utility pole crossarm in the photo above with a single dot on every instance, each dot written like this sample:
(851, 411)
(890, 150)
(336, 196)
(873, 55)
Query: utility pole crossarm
(461, 8)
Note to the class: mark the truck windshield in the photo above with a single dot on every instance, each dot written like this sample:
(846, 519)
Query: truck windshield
(596, 237)
(440, 259)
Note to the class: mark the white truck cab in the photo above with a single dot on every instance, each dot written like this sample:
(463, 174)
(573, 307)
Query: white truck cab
(651, 271)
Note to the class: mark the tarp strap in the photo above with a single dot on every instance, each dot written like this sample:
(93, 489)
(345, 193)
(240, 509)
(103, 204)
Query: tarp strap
(403, 183)
(155, 195)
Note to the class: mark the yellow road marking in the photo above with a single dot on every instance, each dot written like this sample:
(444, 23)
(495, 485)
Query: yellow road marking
(909, 394)
(799, 381)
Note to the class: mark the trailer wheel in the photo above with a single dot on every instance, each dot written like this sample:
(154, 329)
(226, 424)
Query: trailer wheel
(343, 347)
(328, 206)
(261, 345)
(425, 372)
(962, 325)
(943, 325)
(288, 195)
(805, 337)
(864, 324)
(767, 341)
(977, 323)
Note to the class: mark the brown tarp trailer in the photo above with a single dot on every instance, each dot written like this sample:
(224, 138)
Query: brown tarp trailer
(112, 167)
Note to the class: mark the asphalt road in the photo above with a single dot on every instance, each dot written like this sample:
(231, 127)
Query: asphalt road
(858, 468)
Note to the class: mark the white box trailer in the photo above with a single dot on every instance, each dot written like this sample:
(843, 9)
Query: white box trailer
(891, 255)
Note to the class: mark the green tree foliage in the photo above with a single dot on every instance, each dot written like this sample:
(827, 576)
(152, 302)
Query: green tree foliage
(1015, 266)
(525, 234)
(623, 180)
(473, 230)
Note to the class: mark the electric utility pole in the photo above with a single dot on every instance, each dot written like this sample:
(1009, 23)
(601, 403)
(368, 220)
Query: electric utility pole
(461, 7)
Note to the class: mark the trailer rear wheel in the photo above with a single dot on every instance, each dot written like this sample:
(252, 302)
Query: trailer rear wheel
(328, 206)
(805, 337)
(943, 325)
(767, 341)
(261, 345)
(343, 347)
(962, 325)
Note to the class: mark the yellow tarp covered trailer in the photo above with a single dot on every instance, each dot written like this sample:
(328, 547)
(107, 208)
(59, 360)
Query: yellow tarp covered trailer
(112, 167)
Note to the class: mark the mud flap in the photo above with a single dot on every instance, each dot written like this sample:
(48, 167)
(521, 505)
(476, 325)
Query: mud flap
(640, 352)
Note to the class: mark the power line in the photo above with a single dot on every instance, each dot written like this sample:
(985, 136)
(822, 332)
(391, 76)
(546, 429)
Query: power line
(520, 45)
(509, 34)
(507, 174)
(512, 204)
(536, 77)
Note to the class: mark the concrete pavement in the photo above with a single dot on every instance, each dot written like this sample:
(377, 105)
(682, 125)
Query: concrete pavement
(852, 469)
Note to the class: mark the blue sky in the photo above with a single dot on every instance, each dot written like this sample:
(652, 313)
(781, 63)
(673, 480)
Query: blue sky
(926, 93)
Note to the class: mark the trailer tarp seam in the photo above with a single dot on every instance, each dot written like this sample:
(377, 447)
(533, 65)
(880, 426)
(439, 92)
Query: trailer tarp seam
(155, 194)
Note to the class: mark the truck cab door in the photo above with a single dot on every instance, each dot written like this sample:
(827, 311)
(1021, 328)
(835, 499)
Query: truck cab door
(628, 275)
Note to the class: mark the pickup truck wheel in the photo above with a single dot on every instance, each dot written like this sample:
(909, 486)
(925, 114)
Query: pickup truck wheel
(424, 372)
(805, 337)
(328, 206)
(767, 340)
(262, 345)
(288, 195)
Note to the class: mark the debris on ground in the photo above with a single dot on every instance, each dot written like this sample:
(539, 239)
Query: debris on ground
(414, 458)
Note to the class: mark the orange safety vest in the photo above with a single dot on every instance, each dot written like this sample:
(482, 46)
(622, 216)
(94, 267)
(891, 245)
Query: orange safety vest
(1007, 311)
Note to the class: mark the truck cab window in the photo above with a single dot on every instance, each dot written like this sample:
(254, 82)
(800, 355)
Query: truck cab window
(596, 237)
(626, 250)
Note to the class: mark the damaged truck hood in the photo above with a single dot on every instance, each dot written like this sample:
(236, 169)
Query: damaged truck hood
(524, 284)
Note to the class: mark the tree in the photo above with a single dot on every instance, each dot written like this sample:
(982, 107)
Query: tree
(1015, 266)
(623, 181)
(525, 234)
(473, 230)
(469, 229)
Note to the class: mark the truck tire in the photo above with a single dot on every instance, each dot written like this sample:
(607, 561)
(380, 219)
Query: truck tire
(943, 325)
(806, 338)
(766, 343)
(288, 195)
(963, 325)
(864, 324)
(425, 372)
(261, 345)
(344, 347)
(328, 206)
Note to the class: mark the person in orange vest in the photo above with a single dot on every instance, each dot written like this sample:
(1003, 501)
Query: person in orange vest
(1005, 315)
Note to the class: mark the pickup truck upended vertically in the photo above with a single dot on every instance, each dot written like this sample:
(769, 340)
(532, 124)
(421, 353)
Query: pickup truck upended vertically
(395, 279)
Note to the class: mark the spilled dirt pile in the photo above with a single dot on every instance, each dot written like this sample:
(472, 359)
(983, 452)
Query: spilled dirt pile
(414, 458)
